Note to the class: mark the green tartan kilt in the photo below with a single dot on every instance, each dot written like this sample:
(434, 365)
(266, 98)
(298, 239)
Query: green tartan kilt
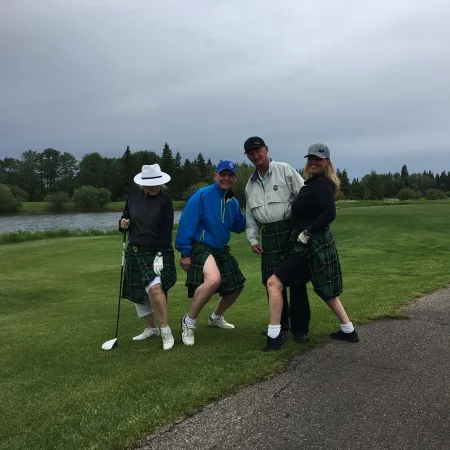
(139, 272)
(232, 279)
(325, 268)
(275, 241)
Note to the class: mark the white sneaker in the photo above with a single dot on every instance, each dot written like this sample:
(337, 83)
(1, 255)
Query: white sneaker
(167, 339)
(219, 323)
(147, 333)
(187, 333)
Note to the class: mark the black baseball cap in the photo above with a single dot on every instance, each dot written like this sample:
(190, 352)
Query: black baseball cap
(253, 142)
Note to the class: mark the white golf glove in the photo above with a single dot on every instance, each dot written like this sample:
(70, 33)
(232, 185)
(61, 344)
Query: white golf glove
(158, 265)
(303, 237)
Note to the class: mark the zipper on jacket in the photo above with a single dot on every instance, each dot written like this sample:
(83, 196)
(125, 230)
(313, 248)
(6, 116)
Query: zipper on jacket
(222, 210)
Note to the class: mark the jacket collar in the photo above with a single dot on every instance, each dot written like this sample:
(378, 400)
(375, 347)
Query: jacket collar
(255, 175)
(228, 195)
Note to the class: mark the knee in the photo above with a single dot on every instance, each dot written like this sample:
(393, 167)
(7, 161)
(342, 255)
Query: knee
(156, 289)
(213, 281)
(274, 284)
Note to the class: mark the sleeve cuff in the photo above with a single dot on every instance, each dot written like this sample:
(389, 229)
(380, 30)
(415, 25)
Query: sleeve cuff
(253, 242)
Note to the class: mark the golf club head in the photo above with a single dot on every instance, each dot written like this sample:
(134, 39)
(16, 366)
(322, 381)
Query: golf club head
(108, 345)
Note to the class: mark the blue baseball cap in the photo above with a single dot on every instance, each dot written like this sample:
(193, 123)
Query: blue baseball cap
(226, 165)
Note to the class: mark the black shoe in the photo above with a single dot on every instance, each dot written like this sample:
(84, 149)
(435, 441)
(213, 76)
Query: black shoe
(283, 328)
(341, 336)
(276, 343)
(301, 338)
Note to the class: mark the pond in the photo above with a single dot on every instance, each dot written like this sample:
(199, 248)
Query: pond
(69, 221)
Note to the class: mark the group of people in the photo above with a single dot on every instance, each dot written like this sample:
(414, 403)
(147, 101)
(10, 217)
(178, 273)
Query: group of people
(287, 222)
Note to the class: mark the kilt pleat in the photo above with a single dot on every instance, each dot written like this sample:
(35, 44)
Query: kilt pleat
(275, 241)
(325, 268)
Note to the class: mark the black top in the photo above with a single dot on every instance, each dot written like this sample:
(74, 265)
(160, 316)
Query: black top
(314, 207)
(151, 219)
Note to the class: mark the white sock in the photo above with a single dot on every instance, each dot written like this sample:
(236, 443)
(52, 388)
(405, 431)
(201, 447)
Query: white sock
(347, 328)
(273, 331)
(165, 329)
(153, 329)
(214, 316)
(189, 321)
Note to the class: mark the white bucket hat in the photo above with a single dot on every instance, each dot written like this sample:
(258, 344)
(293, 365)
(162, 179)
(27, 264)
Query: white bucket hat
(151, 176)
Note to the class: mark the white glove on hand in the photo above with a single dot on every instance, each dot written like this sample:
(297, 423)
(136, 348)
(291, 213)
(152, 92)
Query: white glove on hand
(303, 238)
(158, 265)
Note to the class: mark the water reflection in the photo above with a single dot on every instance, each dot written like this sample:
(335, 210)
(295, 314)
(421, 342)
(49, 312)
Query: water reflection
(68, 221)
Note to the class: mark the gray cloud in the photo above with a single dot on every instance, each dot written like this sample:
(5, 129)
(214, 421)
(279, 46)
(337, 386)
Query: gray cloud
(370, 80)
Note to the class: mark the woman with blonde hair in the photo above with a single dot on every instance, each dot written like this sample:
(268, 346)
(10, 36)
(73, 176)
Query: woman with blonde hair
(313, 256)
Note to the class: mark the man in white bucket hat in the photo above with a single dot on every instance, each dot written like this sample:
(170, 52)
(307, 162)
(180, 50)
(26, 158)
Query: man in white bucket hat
(150, 264)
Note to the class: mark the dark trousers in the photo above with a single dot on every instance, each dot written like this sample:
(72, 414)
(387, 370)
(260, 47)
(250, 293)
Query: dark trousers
(298, 311)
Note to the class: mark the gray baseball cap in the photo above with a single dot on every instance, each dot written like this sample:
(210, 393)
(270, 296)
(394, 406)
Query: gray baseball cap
(319, 150)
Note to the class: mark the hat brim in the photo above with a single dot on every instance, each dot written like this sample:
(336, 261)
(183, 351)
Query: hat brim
(253, 148)
(313, 154)
(226, 168)
(165, 178)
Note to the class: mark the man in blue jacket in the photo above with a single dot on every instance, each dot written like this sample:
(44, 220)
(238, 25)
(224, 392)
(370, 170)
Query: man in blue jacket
(202, 239)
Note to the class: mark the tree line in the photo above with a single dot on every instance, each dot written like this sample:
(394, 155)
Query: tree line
(38, 176)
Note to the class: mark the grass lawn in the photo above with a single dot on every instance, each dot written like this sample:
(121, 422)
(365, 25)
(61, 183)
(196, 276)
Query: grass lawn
(34, 207)
(44, 207)
(58, 299)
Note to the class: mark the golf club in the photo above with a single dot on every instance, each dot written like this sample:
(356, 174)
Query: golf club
(108, 345)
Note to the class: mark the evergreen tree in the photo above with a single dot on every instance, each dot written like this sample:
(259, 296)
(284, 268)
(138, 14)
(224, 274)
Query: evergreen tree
(200, 163)
(356, 190)
(128, 172)
(177, 161)
(374, 189)
(167, 162)
(405, 176)
(345, 184)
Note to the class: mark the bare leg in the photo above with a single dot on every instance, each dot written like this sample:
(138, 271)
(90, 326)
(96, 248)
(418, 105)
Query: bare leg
(336, 306)
(275, 291)
(158, 301)
(150, 320)
(206, 290)
(225, 302)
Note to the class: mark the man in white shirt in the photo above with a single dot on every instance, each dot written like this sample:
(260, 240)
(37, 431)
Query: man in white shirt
(269, 193)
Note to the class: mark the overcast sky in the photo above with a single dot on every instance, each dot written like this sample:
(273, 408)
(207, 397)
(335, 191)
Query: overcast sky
(369, 79)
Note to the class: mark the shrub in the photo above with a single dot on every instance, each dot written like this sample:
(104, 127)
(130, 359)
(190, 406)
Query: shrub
(192, 189)
(406, 194)
(8, 203)
(89, 197)
(435, 194)
(19, 193)
(57, 201)
(103, 197)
